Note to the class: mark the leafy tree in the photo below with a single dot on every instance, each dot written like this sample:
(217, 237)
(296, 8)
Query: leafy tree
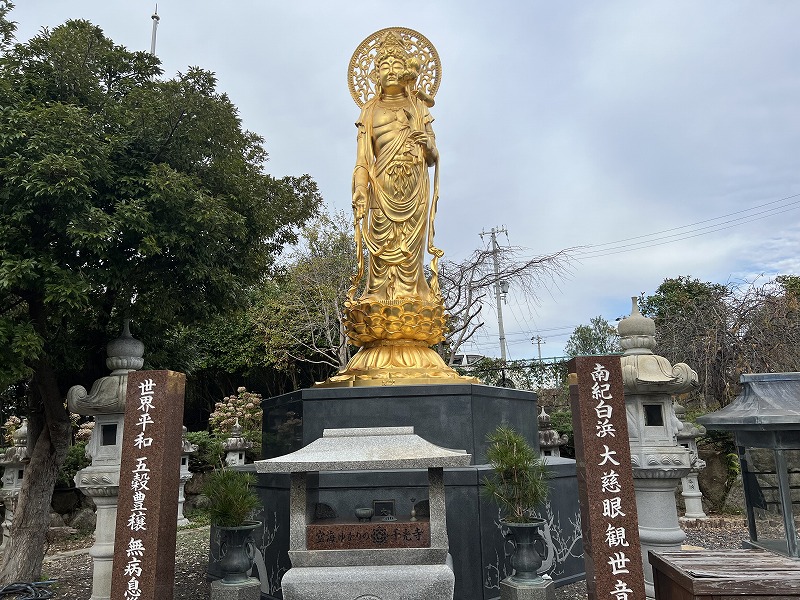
(599, 337)
(304, 320)
(121, 194)
(520, 374)
(790, 285)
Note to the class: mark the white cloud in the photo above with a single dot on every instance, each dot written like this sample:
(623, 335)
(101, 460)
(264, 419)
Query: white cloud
(569, 123)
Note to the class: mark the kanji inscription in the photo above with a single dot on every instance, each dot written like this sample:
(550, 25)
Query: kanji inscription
(612, 553)
(147, 512)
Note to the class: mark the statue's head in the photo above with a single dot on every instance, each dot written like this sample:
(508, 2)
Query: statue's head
(393, 63)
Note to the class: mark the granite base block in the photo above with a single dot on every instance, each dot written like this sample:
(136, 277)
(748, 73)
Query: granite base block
(510, 590)
(247, 590)
(407, 582)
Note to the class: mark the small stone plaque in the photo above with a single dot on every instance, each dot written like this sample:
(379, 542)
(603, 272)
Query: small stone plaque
(612, 553)
(339, 535)
(147, 512)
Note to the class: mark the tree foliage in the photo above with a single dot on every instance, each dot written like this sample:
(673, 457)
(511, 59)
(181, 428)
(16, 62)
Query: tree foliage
(304, 320)
(723, 331)
(520, 374)
(599, 337)
(121, 194)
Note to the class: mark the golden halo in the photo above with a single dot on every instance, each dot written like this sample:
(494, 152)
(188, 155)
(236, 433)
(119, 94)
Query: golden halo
(362, 63)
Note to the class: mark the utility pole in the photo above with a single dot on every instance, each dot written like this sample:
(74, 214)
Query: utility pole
(156, 19)
(537, 339)
(500, 286)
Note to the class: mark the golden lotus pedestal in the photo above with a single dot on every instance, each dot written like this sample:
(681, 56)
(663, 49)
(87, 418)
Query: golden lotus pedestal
(395, 338)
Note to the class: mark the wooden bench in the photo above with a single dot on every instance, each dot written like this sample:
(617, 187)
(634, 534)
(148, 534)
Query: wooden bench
(725, 575)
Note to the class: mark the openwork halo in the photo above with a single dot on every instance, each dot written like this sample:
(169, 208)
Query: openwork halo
(362, 88)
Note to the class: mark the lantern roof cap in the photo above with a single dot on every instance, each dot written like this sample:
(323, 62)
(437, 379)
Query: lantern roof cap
(767, 401)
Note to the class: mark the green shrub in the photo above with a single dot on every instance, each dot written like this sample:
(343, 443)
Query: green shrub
(75, 461)
(209, 451)
(519, 481)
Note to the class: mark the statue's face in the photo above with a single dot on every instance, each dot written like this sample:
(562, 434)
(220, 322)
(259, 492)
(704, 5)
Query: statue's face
(390, 73)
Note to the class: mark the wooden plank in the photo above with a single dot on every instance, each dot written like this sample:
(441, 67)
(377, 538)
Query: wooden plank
(662, 562)
(667, 589)
(730, 574)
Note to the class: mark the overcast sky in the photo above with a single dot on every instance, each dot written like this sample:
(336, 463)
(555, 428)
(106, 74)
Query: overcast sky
(568, 123)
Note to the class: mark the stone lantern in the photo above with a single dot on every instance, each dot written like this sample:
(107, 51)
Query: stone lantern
(549, 441)
(15, 460)
(658, 461)
(236, 446)
(690, 488)
(187, 448)
(765, 421)
(100, 481)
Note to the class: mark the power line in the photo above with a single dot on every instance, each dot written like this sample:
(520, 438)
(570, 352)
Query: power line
(688, 231)
(582, 253)
(725, 216)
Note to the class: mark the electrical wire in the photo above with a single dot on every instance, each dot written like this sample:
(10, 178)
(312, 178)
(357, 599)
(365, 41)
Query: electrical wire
(725, 216)
(688, 231)
(30, 591)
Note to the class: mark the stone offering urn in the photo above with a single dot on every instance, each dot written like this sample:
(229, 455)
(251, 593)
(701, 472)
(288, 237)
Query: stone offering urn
(526, 559)
(238, 552)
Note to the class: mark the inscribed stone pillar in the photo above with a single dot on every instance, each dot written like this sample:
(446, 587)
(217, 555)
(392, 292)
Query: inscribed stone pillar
(144, 555)
(611, 549)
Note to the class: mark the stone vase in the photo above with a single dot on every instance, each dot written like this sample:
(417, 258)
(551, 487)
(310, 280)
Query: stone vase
(238, 552)
(526, 559)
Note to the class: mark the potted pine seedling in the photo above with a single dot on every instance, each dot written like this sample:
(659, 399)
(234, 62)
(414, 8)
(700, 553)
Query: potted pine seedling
(517, 485)
(231, 503)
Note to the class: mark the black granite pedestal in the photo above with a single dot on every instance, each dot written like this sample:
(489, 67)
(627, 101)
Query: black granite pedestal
(451, 416)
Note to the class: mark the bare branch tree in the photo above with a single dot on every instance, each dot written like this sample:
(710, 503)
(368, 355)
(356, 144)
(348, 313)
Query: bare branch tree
(466, 285)
(723, 331)
(305, 322)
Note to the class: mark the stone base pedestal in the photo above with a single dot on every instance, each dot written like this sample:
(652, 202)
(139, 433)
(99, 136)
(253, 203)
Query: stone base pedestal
(395, 582)
(658, 517)
(451, 416)
(247, 590)
(510, 590)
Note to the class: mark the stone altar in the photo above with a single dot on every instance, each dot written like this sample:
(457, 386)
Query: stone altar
(374, 565)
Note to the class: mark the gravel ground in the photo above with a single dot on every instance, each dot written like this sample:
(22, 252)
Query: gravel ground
(73, 568)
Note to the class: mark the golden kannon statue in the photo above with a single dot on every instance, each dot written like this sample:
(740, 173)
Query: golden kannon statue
(399, 313)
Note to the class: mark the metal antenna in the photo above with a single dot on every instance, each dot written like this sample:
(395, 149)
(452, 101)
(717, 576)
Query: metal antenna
(156, 19)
